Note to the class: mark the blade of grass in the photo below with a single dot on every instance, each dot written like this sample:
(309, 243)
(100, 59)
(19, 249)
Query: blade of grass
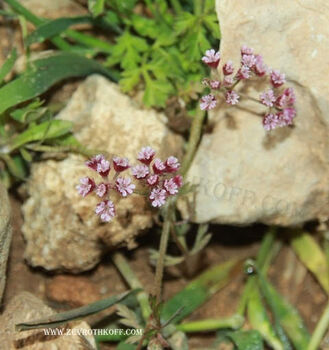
(208, 325)
(53, 28)
(133, 282)
(8, 65)
(43, 73)
(284, 314)
(200, 290)
(312, 256)
(320, 330)
(63, 317)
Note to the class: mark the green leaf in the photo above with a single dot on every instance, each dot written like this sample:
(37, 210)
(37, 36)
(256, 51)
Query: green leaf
(52, 28)
(285, 314)
(15, 165)
(45, 72)
(96, 7)
(8, 65)
(200, 290)
(63, 317)
(258, 317)
(184, 22)
(156, 91)
(46, 130)
(25, 154)
(127, 51)
(312, 256)
(125, 346)
(130, 79)
(30, 113)
(246, 340)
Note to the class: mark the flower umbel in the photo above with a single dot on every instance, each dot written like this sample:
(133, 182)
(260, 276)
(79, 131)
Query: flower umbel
(280, 104)
(155, 176)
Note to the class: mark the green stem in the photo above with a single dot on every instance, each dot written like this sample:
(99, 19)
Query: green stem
(320, 330)
(163, 249)
(235, 321)
(194, 138)
(133, 282)
(264, 257)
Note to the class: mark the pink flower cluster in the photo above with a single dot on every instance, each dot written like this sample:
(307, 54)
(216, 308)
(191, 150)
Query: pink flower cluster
(155, 175)
(280, 102)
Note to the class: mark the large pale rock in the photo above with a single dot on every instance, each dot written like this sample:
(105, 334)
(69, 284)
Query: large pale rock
(245, 174)
(26, 307)
(60, 227)
(5, 236)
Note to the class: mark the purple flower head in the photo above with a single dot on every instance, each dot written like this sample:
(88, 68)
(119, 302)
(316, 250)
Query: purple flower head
(243, 73)
(287, 99)
(146, 155)
(271, 121)
(208, 102)
(102, 189)
(105, 210)
(170, 186)
(152, 180)
(140, 171)
(248, 60)
(120, 164)
(228, 68)
(228, 81)
(211, 58)
(178, 179)
(231, 97)
(158, 166)
(260, 67)
(268, 98)
(86, 186)
(214, 84)
(158, 197)
(277, 78)
(99, 164)
(124, 186)
(172, 164)
(245, 50)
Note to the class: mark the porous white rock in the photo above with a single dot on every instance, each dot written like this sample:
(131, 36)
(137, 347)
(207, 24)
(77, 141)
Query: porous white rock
(26, 307)
(60, 227)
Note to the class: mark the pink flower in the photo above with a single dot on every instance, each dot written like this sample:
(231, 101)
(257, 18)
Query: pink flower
(232, 98)
(214, 84)
(286, 116)
(152, 180)
(146, 155)
(124, 186)
(211, 58)
(277, 78)
(105, 210)
(158, 166)
(102, 189)
(120, 164)
(245, 50)
(267, 98)
(170, 186)
(172, 164)
(228, 81)
(228, 68)
(248, 60)
(243, 73)
(288, 98)
(86, 186)
(271, 121)
(99, 164)
(140, 171)
(178, 179)
(260, 67)
(158, 197)
(208, 102)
